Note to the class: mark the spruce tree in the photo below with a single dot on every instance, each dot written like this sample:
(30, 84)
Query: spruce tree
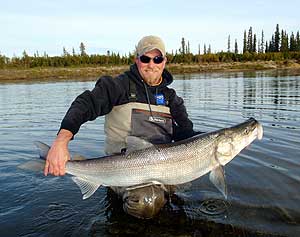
(298, 41)
(267, 48)
(272, 47)
(228, 44)
(250, 40)
(236, 50)
(182, 50)
(65, 52)
(245, 42)
(293, 45)
(82, 49)
(25, 59)
(262, 42)
(276, 39)
(209, 49)
(254, 44)
(284, 44)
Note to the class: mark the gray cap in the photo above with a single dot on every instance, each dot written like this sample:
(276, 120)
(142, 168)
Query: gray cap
(149, 43)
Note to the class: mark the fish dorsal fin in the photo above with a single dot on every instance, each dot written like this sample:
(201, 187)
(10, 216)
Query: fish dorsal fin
(42, 148)
(87, 187)
(136, 143)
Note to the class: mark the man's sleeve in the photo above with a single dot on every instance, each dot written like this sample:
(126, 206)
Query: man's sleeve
(183, 126)
(91, 104)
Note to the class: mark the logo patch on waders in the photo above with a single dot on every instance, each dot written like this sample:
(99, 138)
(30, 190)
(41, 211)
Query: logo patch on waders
(156, 119)
(153, 126)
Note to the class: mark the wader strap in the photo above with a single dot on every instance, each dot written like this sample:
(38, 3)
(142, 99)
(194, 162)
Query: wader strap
(132, 91)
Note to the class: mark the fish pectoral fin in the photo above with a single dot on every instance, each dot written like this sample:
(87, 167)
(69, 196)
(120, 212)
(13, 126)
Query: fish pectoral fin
(87, 187)
(217, 177)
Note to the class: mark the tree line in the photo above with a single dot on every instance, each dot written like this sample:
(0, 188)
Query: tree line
(280, 42)
(281, 46)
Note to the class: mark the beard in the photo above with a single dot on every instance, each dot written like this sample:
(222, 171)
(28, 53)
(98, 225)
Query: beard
(152, 76)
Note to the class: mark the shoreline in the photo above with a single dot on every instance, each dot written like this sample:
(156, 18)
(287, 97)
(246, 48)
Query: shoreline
(93, 73)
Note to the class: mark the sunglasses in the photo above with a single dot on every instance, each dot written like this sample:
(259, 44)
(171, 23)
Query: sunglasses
(156, 59)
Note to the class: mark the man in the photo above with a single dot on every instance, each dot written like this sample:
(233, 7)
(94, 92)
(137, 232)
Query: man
(137, 103)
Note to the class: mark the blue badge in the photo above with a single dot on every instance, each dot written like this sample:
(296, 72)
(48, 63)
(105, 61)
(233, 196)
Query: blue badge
(160, 99)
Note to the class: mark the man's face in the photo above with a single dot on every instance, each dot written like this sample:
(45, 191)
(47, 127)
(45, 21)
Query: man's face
(151, 72)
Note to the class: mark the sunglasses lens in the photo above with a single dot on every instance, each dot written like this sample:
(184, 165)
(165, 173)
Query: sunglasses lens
(145, 59)
(156, 60)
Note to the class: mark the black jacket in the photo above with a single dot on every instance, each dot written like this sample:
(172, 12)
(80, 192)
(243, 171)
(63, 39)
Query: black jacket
(109, 92)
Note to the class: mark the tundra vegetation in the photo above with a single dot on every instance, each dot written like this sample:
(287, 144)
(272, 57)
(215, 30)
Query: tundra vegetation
(281, 51)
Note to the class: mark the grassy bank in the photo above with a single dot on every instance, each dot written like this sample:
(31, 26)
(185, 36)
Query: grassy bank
(91, 73)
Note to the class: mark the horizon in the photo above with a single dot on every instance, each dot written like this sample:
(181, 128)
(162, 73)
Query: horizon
(49, 26)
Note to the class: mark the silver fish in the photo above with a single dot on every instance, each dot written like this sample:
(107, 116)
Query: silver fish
(167, 164)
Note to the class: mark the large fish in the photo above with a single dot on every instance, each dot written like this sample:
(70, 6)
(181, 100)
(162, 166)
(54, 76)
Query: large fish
(168, 164)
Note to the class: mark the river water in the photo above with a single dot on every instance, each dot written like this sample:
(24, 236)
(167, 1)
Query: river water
(263, 181)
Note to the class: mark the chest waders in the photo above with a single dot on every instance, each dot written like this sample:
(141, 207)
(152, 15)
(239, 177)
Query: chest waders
(150, 122)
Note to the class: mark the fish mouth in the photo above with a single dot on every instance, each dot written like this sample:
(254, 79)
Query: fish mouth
(260, 131)
(253, 125)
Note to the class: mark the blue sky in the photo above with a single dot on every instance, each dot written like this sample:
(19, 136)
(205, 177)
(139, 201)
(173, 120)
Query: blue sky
(117, 25)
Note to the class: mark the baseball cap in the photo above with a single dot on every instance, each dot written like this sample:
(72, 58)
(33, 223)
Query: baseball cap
(149, 43)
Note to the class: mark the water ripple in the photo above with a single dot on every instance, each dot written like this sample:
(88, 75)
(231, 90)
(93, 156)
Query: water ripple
(262, 181)
(59, 211)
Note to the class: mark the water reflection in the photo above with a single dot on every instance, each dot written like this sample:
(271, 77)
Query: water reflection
(234, 94)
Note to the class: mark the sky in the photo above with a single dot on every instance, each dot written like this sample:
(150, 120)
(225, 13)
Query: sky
(118, 25)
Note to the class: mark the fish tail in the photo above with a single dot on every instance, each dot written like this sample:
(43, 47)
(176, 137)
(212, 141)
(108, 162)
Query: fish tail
(37, 165)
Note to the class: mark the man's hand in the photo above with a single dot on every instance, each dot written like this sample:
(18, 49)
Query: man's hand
(58, 154)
